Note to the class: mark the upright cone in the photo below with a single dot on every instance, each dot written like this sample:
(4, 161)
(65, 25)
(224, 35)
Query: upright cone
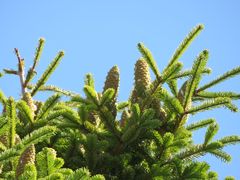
(141, 74)
(28, 156)
(112, 81)
(28, 98)
(142, 80)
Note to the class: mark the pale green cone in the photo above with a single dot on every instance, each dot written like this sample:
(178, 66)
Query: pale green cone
(141, 74)
(28, 99)
(28, 156)
(112, 81)
(142, 80)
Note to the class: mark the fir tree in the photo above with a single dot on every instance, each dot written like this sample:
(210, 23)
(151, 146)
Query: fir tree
(82, 137)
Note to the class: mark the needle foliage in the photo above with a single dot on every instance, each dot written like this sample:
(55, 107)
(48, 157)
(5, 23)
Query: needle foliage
(91, 135)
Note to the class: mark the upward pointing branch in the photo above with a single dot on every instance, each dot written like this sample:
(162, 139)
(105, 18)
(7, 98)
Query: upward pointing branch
(185, 43)
(31, 72)
(47, 73)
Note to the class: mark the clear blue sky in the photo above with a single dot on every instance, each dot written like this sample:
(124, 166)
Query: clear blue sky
(99, 34)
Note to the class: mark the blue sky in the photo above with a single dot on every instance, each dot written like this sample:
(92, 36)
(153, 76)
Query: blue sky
(96, 35)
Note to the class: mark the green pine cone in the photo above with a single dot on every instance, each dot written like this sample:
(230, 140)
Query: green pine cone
(142, 79)
(28, 98)
(112, 80)
(28, 156)
(141, 74)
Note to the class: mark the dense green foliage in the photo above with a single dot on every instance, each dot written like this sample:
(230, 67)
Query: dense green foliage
(96, 137)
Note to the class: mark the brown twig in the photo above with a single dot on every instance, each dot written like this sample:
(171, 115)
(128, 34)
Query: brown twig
(21, 72)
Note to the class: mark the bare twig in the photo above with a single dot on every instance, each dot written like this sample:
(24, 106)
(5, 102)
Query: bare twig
(21, 72)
